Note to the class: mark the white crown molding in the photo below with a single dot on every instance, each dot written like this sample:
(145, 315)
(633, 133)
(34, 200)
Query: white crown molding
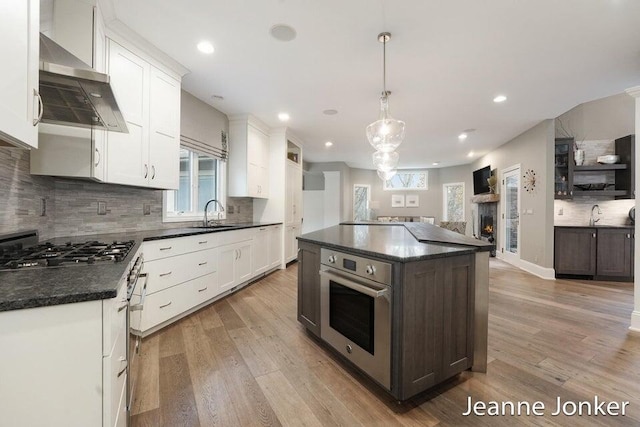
(119, 31)
(634, 91)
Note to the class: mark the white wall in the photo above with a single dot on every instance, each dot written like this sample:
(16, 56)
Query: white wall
(635, 316)
(532, 150)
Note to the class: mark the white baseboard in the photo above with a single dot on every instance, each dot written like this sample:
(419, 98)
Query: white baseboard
(635, 322)
(535, 269)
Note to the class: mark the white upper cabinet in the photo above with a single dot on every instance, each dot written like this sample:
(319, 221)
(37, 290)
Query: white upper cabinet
(248, 158)
(19, 47)
(164, 144)
(128, 153)
(148, 156)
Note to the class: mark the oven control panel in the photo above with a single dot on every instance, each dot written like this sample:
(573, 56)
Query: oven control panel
(378, 271)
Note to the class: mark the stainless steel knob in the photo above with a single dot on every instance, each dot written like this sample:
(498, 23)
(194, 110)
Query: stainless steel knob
(349, 349)
(370, 270)
(332, 259)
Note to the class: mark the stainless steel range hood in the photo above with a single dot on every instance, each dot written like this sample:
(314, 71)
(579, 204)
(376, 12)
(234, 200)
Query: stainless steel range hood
(73, 93)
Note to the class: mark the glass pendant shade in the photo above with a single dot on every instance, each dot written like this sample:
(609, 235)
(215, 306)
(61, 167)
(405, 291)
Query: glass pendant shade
(386, 133)
(385, 161)
(387, 175)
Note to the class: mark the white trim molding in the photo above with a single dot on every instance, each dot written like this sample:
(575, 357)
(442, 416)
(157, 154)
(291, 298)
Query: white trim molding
(635, 322)
(545, 273)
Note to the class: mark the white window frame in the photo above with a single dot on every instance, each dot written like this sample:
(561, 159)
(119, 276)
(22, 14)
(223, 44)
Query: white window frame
(425, 172)
(445, 214)
(221, 194)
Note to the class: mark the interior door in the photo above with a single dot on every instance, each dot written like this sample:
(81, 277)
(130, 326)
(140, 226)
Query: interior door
(511, 213)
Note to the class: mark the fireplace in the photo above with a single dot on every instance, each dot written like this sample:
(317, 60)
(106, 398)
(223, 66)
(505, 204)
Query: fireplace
(486, 222)
(486, 225)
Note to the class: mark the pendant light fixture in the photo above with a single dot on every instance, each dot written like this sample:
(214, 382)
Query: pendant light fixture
(386, 133)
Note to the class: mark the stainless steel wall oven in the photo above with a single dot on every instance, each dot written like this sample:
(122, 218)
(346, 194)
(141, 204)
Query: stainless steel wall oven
(355, 311)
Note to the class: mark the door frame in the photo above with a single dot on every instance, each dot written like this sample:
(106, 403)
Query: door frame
(507, 256)
(353, 198)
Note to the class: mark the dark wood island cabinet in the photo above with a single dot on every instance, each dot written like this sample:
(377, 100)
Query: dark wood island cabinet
(435, 289)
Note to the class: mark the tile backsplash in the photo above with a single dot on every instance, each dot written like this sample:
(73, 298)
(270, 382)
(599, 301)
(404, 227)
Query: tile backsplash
(578, 211)
(72, 205)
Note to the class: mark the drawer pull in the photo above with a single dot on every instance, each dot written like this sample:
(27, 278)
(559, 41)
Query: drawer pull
(628, 236)
(203, 289)
(165, 305)
(262, 229)
(594, 235)
(166, 249)
(203, 263)
(165, 274)
(203, 242)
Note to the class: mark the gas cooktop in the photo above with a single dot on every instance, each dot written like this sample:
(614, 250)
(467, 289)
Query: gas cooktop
(15, 256)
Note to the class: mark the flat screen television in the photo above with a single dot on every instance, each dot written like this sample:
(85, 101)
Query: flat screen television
(480, 184)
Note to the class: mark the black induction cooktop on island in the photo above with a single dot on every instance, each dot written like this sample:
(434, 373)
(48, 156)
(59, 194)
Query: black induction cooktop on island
(21, 254)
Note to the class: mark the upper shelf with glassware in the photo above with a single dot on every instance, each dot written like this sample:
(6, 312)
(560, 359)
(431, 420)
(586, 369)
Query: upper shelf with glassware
(573, 178)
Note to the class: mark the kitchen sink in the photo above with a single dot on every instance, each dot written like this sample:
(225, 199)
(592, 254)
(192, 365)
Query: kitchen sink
(213, 227)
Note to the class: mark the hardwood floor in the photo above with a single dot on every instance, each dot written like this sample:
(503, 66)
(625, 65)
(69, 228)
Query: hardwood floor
(245, 361)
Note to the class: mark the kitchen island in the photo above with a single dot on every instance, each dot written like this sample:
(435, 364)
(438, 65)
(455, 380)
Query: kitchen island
(406, 303)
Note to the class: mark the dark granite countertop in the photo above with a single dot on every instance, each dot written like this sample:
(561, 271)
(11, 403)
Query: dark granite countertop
(403, 242)
(625, 226)
(40, 287)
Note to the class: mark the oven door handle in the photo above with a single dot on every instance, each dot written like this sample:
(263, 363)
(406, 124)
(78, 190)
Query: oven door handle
(348, 283)
(140, 305)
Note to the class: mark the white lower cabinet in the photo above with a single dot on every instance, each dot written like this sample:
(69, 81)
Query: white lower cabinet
(260, 256)
(275, 246)
(183, 273)
(291, 243)
(64, 365)
(235, 264)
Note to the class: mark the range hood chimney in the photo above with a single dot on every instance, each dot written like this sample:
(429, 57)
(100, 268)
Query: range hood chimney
(73, 93)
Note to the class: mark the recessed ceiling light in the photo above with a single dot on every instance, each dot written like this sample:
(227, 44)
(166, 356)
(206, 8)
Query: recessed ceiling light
(462, 136)
(283, 117)
(470, 154)
(205, 47)
(436, 163)
(328, 144)
(330, 112)
(282, 32)
(499, 98)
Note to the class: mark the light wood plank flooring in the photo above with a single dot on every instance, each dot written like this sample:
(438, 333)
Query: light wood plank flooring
(246, 361)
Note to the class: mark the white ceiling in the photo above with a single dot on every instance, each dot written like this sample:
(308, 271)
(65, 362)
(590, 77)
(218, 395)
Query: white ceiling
(446, 62)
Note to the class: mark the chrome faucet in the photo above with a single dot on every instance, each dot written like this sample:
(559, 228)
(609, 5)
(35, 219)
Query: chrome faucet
(206, 208)
(592, 220)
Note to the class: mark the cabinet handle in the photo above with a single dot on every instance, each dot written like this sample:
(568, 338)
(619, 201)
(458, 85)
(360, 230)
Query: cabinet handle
(628, 236)
(262, 229)
(204, 263)
(239, 253)
(203, 242)
(98, 157)
(203, 289)
(165, 305)
(166, 249)
(165, 274)
(40, 107)
(122, 359)
(235, 252)
(593, 235)
(146, 170)
(153, 172)
(122, 307)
